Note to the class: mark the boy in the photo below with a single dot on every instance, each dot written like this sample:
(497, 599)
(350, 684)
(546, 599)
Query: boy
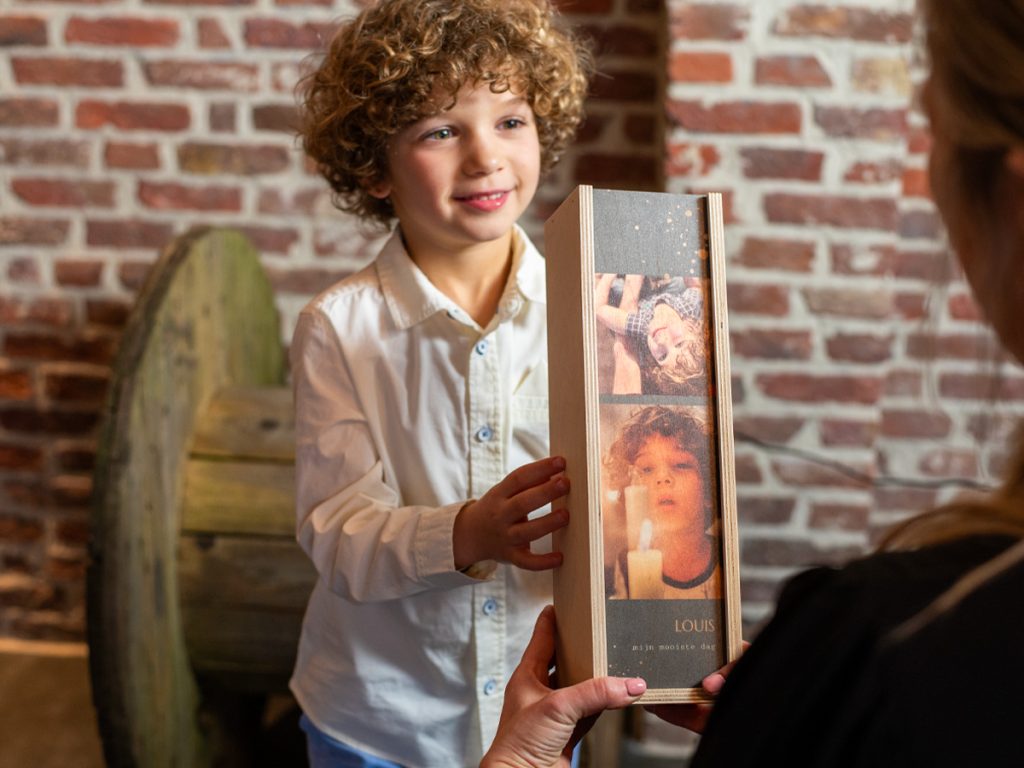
(422, 380)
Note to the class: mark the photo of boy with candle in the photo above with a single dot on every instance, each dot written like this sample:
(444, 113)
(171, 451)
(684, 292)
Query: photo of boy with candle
(659, 334)
(659, 502)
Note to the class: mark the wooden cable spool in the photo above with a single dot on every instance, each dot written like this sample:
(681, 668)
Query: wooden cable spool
(196, 586)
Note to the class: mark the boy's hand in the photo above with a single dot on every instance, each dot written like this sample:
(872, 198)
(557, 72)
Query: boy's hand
(496, 526)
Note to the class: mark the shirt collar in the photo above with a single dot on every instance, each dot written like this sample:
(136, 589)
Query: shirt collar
(411, 297)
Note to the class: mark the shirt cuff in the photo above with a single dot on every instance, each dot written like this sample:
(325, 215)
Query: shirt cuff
(435, 558)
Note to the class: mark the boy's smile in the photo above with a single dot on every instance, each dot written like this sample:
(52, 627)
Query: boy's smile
(460, 179)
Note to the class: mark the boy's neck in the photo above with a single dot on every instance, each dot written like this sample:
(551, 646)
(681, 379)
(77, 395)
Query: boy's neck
(473, 277)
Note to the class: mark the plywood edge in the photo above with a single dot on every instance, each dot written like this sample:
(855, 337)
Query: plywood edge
(723, 402)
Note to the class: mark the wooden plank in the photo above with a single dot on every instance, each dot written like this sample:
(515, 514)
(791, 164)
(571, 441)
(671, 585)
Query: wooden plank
(247, 572)
(248, 423)
(243, 641)
(239, 497)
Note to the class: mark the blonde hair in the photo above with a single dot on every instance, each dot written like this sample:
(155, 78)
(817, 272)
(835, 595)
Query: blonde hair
(691, 363)
(385, 68)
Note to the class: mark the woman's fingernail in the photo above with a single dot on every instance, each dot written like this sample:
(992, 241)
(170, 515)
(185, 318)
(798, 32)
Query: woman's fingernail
(635, 686)
(559, 462)
(713, 683)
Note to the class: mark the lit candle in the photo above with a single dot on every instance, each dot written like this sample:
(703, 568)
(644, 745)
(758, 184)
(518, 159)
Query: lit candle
(636, 512)
(643, 566)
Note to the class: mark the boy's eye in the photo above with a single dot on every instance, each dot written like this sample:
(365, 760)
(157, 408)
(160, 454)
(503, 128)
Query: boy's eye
(440, 134)
(512, 123)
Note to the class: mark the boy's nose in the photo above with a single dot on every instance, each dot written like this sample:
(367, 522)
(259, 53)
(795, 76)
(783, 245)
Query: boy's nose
(482, 158)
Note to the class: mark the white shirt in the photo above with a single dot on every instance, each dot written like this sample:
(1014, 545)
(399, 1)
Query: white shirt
(405, 409)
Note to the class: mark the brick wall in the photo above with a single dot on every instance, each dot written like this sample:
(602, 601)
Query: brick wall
(122, 124)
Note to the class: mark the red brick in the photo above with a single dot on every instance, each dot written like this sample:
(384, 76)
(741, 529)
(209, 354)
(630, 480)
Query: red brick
(847, 433)
(792, 553)
(624, 86)
(747, 470)
(64, 192)
(110, 313)
(76, 387)
(765, 510)
(14, 528)
(977, 386)
(180, 197)
(67, 71)
(270, 239)
(770, 253)
(860, 347)
(962, 306)
(771, 344)
(203, 75)
(28, 112)
(930, 266)
(28, 493)
(915, 424)
(758, 299)
(768, 163)
(854, 23)
(627, 171)
(745, 117)
(211, 34)
(913, 499)
(911, 305)
(584, 6)
(15, 385)
(700, 67)
(48, 346)
(20, 457)
(900, 383)
(307, 280)
(282, 118)
(72, 531)
(22, 30)
(691, 159)
(269, 33)
(915, 183)
(853, 212)
(952, 346)
(919, 140)
(771, 429)
(838, 517)
(920, 223)
(886, 76)
(78, 272)
(626, 40)
(854, 123)
(128, 233)
(795, 71)
(70, 491)
(849, 302)
(808, 388)
(874, 172)
(132, 274)
(92, 114)
(72, 457)
(140, 157)
(112, 30)
(195, 157)
(641, 129)
(292, 201)
(48, 422)
(873, 260)
(592, 128)
(708, 21)
(24, 271)
(949, 462)
(806, 474)
(18, 151)
(25, 231)
(223, 117)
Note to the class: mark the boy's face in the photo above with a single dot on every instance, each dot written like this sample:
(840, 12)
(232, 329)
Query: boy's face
(464, 176)
(672, 475)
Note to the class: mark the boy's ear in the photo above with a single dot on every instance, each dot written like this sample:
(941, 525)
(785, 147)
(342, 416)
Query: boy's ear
(380, 188)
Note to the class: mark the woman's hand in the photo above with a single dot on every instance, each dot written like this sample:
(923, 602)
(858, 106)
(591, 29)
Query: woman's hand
(539, 726)
(694, 717)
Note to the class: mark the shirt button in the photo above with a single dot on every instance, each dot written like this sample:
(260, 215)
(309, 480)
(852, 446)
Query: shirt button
(481, 347)
(490, 687)
(484, 434)
(512, 305)
(490, 606)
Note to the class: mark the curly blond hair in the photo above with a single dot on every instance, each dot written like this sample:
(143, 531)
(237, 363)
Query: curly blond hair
(383, 70)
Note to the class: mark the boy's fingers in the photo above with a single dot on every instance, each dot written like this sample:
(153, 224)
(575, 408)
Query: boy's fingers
(529, 561)
(523, 533)
(528, 476)
(526, 501)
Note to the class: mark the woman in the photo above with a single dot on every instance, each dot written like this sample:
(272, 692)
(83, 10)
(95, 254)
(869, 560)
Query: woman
(915, 655)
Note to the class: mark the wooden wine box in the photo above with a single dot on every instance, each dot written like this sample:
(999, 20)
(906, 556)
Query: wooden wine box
(640, 407)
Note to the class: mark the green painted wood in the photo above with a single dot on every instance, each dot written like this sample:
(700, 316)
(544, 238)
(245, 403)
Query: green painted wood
(204, 320)
(239, 496)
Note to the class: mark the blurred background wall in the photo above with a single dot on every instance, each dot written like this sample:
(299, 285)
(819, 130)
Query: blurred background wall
(861, 378)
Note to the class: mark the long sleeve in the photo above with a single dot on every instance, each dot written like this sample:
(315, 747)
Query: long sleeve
(351, 523)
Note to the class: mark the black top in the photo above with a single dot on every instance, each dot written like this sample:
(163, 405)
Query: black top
(825, 685)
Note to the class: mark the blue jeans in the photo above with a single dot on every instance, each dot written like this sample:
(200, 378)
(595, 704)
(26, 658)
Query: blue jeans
(325, 752)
